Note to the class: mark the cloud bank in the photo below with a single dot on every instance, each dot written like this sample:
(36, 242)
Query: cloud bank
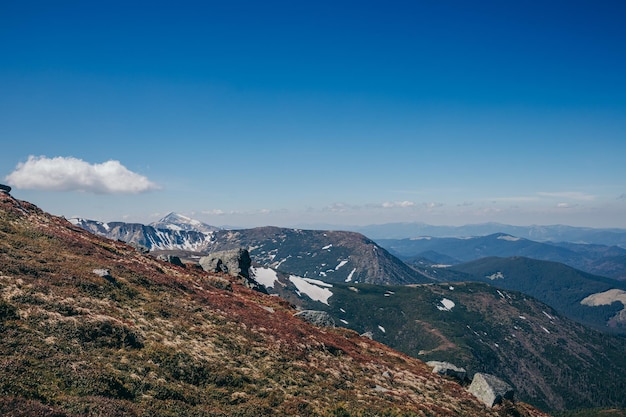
(72, 174)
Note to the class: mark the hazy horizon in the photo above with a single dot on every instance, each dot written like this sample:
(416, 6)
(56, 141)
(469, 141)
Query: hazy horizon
(349, 113)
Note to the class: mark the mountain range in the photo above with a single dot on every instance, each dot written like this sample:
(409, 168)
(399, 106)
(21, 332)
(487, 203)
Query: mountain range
(334, 256)
(92, 326)
(597, 259)
(541, 233)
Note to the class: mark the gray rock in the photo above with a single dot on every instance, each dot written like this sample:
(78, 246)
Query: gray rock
(490, 389)
(234, 262)
(5, 188)
(139, 248)
(447, 369)
(102, 272)
(175, 260)
(318, 318)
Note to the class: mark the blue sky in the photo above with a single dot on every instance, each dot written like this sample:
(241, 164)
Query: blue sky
(299, 113)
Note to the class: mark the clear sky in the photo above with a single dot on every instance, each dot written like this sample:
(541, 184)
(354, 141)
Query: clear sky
(253, 113)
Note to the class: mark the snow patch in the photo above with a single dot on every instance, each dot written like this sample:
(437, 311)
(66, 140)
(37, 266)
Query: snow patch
(382, 329)
(315, 289)
(343, 321)
(351, 275)
(497, 275)
(265, 276)
(605, 298)
(327, 247)
(446, 305)
(509, 238)
(342, 263)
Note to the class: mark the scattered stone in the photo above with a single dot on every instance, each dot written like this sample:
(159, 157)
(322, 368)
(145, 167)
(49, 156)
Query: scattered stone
(106, 274)
(174, 260)
(316, 317)
(490, 389)
(102, 272)
(139, 247)
(447, 369)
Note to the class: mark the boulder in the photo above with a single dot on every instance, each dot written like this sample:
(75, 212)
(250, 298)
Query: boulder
(316, 317)
(447, 369)
(175, 260)
(234, 262)
(139, 247)
(490, 389)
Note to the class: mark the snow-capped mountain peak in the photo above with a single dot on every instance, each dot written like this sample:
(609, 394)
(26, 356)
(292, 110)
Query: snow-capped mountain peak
(178, 222)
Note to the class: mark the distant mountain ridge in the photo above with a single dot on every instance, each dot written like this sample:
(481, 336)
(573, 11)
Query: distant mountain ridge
(558, 285)
(176, 221)
(547, 233)
(148, 236)
(598, 259)
(333, 256)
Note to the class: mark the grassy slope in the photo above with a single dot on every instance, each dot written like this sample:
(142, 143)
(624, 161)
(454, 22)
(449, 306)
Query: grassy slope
(153, 339)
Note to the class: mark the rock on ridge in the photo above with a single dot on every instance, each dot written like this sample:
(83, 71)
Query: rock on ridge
(316, 317)
(490, 389)
(447, 369)
(235, 262)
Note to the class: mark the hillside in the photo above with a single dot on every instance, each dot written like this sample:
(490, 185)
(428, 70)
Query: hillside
(603, 260)
(333, 256)
(93, 327)
(553, 362)
(557, 285)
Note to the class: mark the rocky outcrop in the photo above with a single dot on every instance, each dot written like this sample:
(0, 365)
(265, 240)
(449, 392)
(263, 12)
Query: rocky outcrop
(447, 369)
(175, 260)
(5, 188)
(234, 262)
(139, 248)
(490, 389)
(318, 318)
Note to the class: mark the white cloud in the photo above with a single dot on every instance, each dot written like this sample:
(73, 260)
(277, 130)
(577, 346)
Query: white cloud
(214, 212)
(398, 204)
(572, 195)
(72, 174)
(339, 208)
